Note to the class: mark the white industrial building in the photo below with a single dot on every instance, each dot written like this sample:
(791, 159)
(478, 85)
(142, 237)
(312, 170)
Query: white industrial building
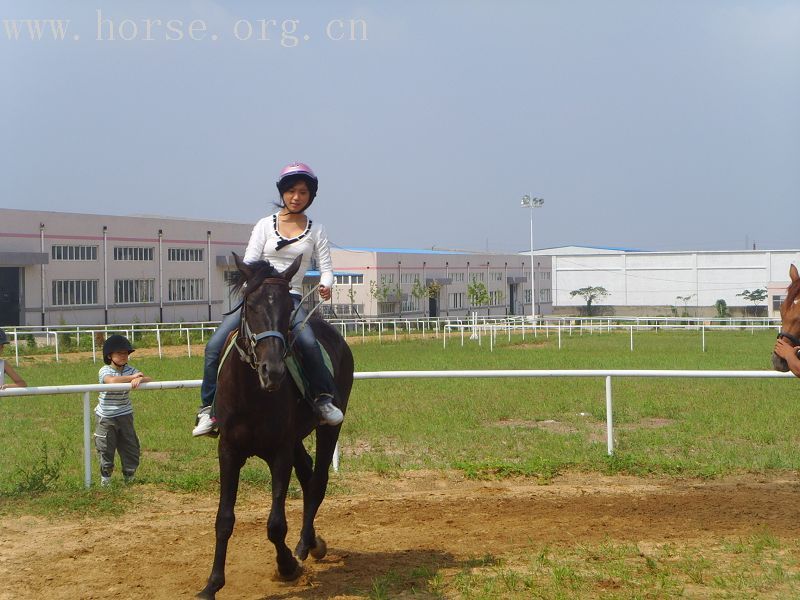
(661, 283)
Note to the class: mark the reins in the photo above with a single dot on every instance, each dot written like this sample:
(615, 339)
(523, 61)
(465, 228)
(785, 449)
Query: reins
(249, 355)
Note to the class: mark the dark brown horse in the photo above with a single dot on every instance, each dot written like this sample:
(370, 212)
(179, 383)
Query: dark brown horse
(261, 413)
(790, 319)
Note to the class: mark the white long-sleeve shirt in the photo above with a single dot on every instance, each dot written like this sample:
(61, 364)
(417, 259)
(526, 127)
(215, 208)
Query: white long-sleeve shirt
(312, 242)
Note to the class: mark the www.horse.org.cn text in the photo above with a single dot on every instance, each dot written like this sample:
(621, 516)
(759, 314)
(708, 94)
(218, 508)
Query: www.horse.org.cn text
(286, 33)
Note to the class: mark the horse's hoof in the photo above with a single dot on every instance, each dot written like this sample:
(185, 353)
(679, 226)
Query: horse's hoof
(293, 576)
(320, 550)
(206, 595)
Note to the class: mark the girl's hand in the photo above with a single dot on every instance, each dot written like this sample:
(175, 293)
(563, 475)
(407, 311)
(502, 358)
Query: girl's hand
(324, 292)
(785, 350)
(137, 379)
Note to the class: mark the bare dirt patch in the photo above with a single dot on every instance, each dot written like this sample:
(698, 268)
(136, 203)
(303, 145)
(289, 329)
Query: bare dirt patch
(163, 548)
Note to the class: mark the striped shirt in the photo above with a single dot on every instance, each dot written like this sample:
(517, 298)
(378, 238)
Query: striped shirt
(118, 403)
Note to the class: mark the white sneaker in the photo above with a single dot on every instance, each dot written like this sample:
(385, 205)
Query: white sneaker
(205, 423)
(105, 481)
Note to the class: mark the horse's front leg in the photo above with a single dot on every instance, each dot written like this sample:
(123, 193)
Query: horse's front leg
(230, 466)
(281, 469)
(314, 493)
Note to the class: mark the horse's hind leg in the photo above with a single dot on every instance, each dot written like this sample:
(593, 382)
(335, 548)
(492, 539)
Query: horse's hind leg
(230, 466)
(281, 470)
(314, 493)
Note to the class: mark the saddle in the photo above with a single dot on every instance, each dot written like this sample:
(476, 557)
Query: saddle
(292, 364)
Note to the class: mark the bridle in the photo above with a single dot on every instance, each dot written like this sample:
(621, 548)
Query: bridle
(248, 354)
(792, 339)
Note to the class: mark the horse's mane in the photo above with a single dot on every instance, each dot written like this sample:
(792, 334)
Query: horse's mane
(260, 270)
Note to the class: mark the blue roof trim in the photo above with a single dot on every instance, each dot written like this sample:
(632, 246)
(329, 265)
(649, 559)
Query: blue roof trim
(404, 250)
(317, 274)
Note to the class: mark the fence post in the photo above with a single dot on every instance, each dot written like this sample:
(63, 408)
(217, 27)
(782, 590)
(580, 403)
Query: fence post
(631, 338)
(87, 443)
(609, 417)
(16, 347)
(335, 462)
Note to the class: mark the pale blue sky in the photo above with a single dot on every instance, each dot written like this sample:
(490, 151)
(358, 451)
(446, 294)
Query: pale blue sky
(643, 124)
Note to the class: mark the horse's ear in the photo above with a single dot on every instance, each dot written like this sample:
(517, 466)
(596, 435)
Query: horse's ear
(292, 268)
(242, 266)
(793, 275)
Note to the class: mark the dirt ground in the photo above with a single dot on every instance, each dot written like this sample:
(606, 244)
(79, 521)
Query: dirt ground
(163, 547)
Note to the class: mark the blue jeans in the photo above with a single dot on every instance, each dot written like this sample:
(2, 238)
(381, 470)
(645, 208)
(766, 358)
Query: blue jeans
(305, 342)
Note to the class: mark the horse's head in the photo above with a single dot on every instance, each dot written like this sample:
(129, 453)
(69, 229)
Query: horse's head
(266, 316)
(790, 318)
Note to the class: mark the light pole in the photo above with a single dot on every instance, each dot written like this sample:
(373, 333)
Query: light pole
(529, 202)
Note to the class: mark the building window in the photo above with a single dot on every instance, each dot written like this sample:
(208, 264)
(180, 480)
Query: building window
(387, 279)
(62, 252)
(457, 277)
(185, 254)
(410, 304)
(132, 253)
(480, 276)
(354, 310)
(456, 300)
(495, 298)
(230, 277)
(777, 301)
(544, 295)
(72, 292)
(185, 289)
(497, 276)
(128, 291)
(528, 296)
(409, 277)
(349, 279)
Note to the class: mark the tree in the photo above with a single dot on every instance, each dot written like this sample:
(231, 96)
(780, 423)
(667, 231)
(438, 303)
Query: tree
(685, 300)
(722, 308)
(477, 293)
(419, 292)
(379, 291)
(757, 296)
(351, 293)
(590, 294)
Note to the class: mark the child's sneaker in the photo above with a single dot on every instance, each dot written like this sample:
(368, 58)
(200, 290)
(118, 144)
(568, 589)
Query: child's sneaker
(206, 424)
(105, 481)
(129, 478)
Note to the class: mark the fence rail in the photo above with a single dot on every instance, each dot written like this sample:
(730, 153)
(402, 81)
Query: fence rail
(606, 374)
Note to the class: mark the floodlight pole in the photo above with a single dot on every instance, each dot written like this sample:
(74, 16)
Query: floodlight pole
(529, 202)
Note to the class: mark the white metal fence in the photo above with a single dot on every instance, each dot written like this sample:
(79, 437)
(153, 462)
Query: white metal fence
(86, 390)
(478, 327)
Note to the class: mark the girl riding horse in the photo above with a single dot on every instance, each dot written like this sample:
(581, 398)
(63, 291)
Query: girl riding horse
(280, 238)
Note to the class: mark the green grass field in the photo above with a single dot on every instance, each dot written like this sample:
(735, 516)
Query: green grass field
(485, 427)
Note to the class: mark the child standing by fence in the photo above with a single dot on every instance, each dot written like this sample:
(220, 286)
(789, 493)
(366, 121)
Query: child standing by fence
(6, 369)
(114, 430)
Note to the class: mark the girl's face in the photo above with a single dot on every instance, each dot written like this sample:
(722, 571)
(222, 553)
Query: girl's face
(296, 198)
